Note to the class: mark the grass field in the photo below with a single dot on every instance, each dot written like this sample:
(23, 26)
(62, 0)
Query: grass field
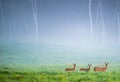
(55, 74)
(38, 63)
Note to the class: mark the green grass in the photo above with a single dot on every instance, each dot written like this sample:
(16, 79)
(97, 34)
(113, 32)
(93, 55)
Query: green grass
(12, 76)
(53, 74)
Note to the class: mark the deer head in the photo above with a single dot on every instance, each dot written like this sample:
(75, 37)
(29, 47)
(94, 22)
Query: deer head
(106, 63)
(89, 65)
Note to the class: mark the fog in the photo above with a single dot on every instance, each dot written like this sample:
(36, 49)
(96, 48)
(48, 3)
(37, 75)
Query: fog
(76, 23)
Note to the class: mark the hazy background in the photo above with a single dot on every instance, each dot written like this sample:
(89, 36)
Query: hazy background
(59, 21)
(59, 31)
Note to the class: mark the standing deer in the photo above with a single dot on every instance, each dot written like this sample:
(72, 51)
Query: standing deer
(101, 69)
(86, 69)
(70, 69)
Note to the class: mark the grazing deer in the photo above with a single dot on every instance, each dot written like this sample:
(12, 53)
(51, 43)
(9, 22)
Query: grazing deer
(101, 69)
(86, 69)
(70, 69)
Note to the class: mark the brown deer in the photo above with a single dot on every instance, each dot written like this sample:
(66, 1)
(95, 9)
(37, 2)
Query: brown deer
(101, 69)
(86, 69)
(70, 69)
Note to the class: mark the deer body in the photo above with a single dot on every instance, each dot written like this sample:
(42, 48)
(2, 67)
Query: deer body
(101, 69)
(70, 69)
(86, 69)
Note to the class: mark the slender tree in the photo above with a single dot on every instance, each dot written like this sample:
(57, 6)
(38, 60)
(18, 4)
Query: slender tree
(34, 8)
(91, 22)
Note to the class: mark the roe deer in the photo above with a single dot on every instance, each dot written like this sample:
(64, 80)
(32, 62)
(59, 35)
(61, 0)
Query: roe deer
(101, 69)
(86, 69)
(70, 69)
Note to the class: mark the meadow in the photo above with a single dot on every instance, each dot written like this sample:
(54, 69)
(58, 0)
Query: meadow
(42, 63)
(51, 73)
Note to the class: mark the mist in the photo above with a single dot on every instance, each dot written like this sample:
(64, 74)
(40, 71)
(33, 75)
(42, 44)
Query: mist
(60, 22)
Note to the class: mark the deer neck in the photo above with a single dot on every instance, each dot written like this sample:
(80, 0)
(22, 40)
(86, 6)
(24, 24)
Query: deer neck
(88, 67)
(105, 66)
(74, 67)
